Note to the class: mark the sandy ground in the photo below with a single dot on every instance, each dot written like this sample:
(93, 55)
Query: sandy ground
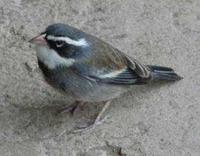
(154, 120)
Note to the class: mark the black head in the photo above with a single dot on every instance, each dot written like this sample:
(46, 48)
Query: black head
(63, 30)
(67, 41)
(63, 38)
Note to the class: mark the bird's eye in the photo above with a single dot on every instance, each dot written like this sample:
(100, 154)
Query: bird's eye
(59, 43)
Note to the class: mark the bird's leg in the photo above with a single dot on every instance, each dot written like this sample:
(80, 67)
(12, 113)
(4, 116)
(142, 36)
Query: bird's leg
(100, 114)
(71, 108)
(98, 120)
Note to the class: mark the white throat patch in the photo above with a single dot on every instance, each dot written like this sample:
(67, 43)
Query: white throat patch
(51, 59)
(81, 42)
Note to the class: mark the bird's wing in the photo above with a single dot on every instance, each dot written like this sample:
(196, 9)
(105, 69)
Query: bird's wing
(109, 65)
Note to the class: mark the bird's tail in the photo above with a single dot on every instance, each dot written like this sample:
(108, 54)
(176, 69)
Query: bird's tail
(163, 74)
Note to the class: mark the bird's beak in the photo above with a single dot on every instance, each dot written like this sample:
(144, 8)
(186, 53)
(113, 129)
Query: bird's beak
(39, 40)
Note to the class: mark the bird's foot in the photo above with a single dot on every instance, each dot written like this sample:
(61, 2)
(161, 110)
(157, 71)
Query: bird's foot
(90, 126)
(99, 120)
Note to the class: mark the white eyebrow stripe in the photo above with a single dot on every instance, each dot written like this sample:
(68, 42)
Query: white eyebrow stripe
(112, 74)
(80, 42)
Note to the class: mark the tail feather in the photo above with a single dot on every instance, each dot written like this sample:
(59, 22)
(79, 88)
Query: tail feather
(163, 73)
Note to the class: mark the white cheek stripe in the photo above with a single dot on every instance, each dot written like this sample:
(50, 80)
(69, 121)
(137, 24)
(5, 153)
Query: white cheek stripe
(112, 74)
(51, 59)
(80, 42)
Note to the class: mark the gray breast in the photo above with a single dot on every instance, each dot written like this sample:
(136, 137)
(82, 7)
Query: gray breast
(79, 87)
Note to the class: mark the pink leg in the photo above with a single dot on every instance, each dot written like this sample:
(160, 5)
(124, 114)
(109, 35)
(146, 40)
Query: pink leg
(98, 120)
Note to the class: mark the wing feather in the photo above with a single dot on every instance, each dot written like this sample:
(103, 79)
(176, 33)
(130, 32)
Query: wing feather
(109, 65)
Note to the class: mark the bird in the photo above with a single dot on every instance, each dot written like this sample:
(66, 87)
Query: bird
(89, 69)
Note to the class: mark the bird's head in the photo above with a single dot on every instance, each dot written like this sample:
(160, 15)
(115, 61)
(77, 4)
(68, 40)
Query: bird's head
(59, 44)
